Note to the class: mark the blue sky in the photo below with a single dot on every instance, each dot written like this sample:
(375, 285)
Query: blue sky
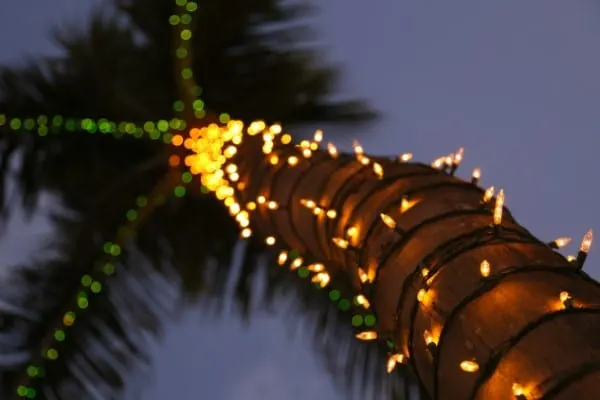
(514, 82)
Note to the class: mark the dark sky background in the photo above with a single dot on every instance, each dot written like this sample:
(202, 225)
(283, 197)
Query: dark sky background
(515, 82)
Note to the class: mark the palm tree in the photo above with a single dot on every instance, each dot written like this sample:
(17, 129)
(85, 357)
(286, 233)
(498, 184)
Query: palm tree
(250, 59)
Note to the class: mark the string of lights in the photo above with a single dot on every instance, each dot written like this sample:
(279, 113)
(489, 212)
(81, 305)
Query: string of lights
(419, 247)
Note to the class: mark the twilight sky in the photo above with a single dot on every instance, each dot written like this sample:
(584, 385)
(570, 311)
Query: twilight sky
(515, 82)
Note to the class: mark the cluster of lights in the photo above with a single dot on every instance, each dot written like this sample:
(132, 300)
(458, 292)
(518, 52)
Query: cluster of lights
(425, 296)
(211, 150)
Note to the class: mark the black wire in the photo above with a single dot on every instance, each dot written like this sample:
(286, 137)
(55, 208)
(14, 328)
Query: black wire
(410, 193)
(490, 366)
(474, 239)
(486, 285)
(384, 257)
(293, 190)
(321, 192)
(573, 376)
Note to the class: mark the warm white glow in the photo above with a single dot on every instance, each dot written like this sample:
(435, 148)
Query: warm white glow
(499, 207)
(476, 173)
(332, 150)
(406, 204)
(282, 257)
(393, 360)
(362, 300)
(518, 390)
(362, 275)
(561, 241)
(429, 338)
(322, 278)
(406, 157)
(439, 162)
(297, 263)
(270, 241)
(341, 243)
(331, 214)
(484, 268)
(458, 157)
(358, 149)
(469, 366)
(318, 267)
(388, 221)
(318, 135)
(586, 243)
(378, 169)
(308, 203)
(246, 233)
(487, 196)
(367, 335)
(352, 232)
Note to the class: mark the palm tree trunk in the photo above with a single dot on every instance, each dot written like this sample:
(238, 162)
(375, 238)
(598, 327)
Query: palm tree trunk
(424, 277)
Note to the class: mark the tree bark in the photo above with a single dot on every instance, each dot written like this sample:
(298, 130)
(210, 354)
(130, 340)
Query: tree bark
(511, 323)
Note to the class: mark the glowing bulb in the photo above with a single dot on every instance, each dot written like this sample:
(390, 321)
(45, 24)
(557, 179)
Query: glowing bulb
(476, 176)
(421, 295)
(518, 392)
(498, 208)
(307, 153)
(469, 366)
(297, 263)
(560, 242)
(362, 275)
(318, 267)
(318, 135)
(272, 205)
(352, 232)
(428, 337)
(292, 161)
(261, 199)
(362, 300)
(273, 160)
(331, 214)
(282, 257)
(246, 233)
(487, 195)
(406, 157)
(406, 204)
(308, 203)
(322, 278)
(566, 299)
(393, 360)
(586, 243)
(439, 162)
(458, 156)
(388, 221)
(484, 268)
(251, 205)
(341, 243)
(367, 335)
(378, 169)
(358, 149)
(332, 150)
(270, 241)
